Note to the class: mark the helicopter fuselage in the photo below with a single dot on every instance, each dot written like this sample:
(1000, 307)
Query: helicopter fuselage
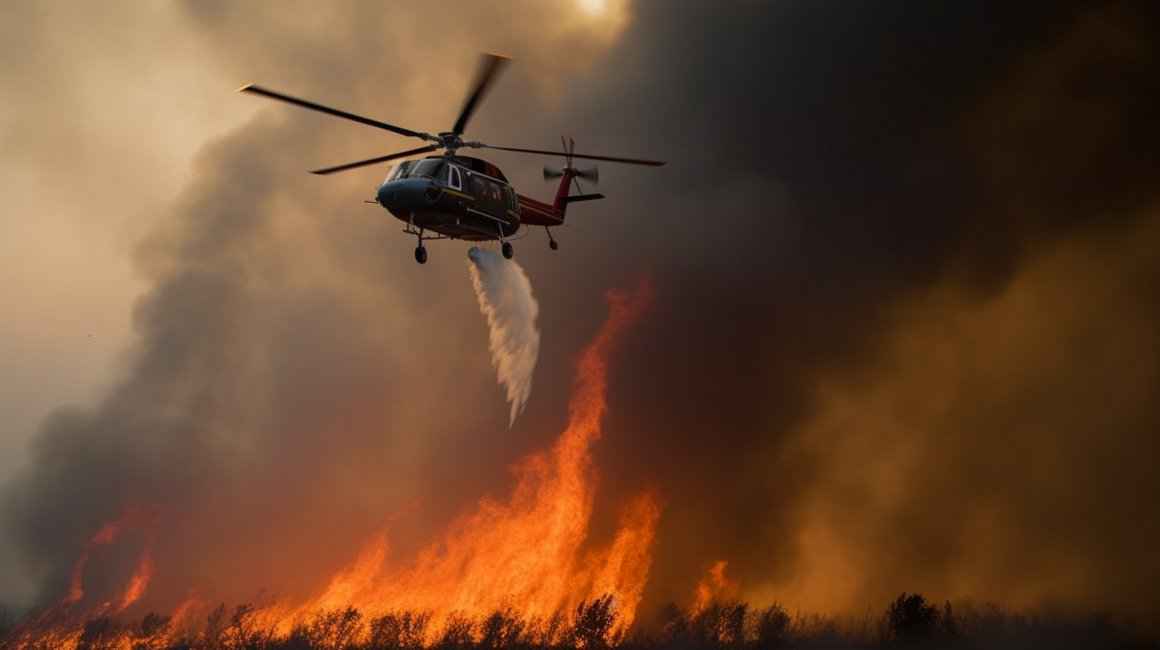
(459, 198)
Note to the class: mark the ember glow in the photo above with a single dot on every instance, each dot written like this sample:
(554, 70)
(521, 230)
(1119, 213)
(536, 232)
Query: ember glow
(528, 557)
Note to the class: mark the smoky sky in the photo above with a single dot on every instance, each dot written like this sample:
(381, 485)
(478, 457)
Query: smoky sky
(903, 337)
(881, 153)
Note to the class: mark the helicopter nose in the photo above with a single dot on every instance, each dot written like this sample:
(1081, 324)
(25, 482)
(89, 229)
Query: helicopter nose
(408, 193)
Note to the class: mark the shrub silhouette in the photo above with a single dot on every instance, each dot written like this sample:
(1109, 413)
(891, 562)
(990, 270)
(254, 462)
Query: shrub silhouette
(592, 623)
(909, 618)
(502, 629)
(98, 634)
(245, 631)
(718, 625)
(151, 634)
(457, 633)
(214, 635)
(771, 627)
(398, 631)
(908, 622)
(329, 630)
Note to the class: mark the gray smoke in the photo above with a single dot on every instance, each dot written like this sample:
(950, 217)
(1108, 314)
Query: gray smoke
(505, 298)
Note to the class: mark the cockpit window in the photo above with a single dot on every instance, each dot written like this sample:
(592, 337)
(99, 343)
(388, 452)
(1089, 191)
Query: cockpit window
(429, 167)
(402, 170)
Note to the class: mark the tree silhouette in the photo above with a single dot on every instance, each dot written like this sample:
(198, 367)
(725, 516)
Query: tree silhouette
(98, 634)
(771, 627)
(151, 634)
(501, 629)
(399, 631)
(592, 623)
(457, 633)
(909, 619)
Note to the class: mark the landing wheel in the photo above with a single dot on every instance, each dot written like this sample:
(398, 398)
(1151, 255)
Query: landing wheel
(507, 250)
(421, 255)
(554, 245)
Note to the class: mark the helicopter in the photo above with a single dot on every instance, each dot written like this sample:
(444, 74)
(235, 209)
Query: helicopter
(454, 196)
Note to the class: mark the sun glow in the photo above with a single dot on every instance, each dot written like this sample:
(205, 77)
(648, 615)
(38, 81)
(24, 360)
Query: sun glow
(594, 7)
(607, 14)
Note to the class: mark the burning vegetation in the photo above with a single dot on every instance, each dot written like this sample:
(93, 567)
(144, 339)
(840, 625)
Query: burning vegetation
(522, 569)
(908, 622)
(518, 574)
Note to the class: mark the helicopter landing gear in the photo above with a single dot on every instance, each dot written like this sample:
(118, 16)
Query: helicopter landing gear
(507, 250)
(420, 251)
(552, 243)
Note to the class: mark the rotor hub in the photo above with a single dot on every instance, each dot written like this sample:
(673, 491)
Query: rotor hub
(450, 140)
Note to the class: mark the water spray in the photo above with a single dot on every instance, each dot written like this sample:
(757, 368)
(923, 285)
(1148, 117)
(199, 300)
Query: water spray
(506, 300)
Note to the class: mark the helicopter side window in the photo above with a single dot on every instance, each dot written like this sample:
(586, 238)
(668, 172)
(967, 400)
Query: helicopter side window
(454, 175)
(491, 189)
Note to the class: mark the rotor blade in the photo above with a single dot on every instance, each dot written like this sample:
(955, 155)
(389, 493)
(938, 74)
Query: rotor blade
(373, 161)
(628, 161)
(258, 90)
(488, 67)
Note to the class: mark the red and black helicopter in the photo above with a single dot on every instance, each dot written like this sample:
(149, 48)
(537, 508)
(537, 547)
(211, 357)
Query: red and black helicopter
(457, 196)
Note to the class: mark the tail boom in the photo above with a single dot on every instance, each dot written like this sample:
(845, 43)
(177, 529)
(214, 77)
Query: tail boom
(538, 213)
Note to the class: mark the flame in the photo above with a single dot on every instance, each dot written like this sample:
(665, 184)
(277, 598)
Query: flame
(131, 518)
(144, 573)
(522, 556)
(527, 559)
(713, 588)
(57, 626)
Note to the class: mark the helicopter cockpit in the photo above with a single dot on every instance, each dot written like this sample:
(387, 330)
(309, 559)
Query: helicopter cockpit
(430, 168)
(435, 169)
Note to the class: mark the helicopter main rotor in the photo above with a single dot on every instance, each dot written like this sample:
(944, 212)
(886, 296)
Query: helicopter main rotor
(450, 141)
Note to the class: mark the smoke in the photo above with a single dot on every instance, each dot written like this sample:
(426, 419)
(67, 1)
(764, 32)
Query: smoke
(918, 353)
(505, 298)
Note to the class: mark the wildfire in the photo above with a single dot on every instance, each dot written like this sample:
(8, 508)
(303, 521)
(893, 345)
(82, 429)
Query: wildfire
(60, 626)
(526, 559)
(714, 588)
(522, 556)
(132, 518)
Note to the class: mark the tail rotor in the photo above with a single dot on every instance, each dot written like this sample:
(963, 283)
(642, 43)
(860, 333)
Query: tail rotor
(589, 174)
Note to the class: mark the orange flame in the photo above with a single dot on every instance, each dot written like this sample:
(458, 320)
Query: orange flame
(55, 627)
(144, 573)
(132, 518)
(522, 556)
(525, 557)
(714, 588)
